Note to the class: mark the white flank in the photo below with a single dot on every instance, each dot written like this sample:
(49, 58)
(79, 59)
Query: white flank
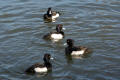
(57, 36)
(39, 70)
(81, 52)
(54, 17)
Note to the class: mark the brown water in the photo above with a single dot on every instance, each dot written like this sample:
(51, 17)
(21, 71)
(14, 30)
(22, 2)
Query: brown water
(91, 23)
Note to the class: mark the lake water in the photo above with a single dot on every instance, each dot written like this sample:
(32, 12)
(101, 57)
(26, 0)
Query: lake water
(91, 23)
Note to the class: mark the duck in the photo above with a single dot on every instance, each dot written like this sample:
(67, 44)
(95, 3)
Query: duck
(41, 68)
(75, 50)
(51, 15)
(56, 35)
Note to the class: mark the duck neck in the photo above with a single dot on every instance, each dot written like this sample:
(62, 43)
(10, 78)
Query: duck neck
(48, 64)
(70, 45)
(61, 32)
(49, 13)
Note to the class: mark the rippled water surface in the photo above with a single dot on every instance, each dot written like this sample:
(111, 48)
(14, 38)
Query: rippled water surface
(91, 23)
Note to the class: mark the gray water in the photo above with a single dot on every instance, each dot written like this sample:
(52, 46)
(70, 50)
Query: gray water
(91, 23)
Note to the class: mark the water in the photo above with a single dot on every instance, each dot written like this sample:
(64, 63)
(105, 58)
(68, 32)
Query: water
(91, 23)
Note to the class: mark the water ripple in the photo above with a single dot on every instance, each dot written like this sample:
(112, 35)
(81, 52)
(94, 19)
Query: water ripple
(91, 23)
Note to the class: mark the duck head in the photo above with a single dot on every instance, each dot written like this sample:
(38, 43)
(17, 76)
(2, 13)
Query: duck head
(49, 12)
(70, 42)
(59, 27)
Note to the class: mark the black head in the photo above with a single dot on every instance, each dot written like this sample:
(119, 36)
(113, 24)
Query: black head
(49, 12)
(49, 8)
(69, 42)
(47, 57)
(59, 27)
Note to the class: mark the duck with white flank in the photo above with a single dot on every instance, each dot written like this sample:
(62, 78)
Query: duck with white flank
(41, 68)
(51, 15)
(75, 50)
(57, 35)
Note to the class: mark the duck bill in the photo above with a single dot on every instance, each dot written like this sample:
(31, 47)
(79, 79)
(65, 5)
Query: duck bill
(65, 44)
(64, 28)
(51, 58)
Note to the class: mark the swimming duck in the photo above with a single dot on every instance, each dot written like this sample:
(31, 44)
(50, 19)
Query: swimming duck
(41, 68)
(75, 50)
(57, 35)
(51, 15)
